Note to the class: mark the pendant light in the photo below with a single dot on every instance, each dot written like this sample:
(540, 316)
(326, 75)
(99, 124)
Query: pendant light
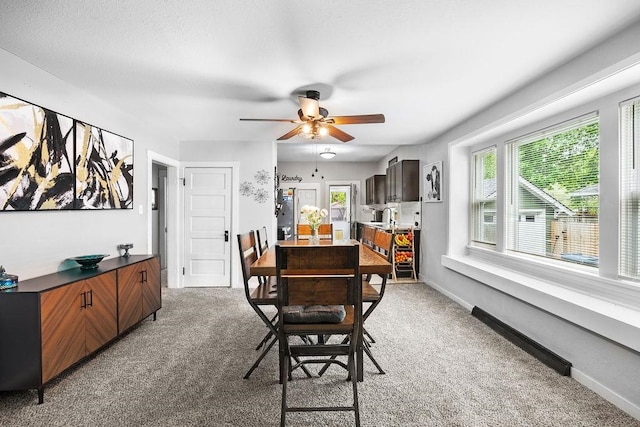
(327, 154)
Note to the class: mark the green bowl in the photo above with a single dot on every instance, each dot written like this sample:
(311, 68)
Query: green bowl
(89, 262)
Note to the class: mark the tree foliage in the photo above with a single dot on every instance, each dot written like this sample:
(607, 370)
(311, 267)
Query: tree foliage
(563, 163)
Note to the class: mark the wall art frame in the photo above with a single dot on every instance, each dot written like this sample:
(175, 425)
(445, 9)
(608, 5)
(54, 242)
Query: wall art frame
(49, 161)
(433, 182)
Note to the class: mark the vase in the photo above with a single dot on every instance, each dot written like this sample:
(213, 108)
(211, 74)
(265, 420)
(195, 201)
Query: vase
(314, 238)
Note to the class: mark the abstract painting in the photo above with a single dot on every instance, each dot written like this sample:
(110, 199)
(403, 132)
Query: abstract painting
(36, 157)
(104, 169)
(51, 162)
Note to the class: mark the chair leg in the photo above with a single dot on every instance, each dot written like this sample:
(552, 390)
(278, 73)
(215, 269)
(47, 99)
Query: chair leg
(262, 355)
(367, 350)
(284, 374)
(354, 382)
(368, 336)
(264, 340)
(326, 365)
(269, 333)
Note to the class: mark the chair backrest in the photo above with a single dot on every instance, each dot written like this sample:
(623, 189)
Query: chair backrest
(248, 255)
(319, 275)
(263, 244)
(325, 231)
(368, 234)
(383, 243)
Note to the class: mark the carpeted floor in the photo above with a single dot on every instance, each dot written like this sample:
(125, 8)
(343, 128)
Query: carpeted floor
(444, 368)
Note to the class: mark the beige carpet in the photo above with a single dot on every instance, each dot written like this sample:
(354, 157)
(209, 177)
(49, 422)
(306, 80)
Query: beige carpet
(444, 368)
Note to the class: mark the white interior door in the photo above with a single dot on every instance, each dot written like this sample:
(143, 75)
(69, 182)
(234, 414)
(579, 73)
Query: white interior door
(207, 227)
(304, 196)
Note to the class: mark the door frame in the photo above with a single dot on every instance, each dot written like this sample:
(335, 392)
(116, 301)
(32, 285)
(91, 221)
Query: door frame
(173, 214)
(236, 281)
(355, 212)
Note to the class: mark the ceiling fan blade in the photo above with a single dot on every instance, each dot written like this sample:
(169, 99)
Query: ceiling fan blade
(271, 120)
(338, 134)
(354, 120)
(291, 133)
(310, 107)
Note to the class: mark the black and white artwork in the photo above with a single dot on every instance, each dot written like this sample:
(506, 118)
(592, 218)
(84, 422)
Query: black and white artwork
(104, 169)
(36, 157)
(432, 183)
(49, 161)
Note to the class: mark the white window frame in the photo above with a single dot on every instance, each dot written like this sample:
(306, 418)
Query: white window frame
(596, 299)
(479, 218)
(630, 226)
(515, 210)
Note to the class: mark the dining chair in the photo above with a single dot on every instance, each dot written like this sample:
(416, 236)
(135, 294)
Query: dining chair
(368, 234)
(259, 297)
(319, 293)
(263, 243)
(325, 231)
(263, 247)
(373, 293)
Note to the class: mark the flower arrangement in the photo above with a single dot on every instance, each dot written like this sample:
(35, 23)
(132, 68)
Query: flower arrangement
(313, 215)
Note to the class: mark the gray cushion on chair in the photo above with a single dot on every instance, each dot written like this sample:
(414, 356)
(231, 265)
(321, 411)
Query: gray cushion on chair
(314, 314)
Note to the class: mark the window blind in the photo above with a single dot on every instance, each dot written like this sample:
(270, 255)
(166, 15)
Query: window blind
(553, 192)
(629, 262)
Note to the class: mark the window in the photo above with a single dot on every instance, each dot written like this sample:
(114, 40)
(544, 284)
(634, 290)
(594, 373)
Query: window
(552, 192)
(484, 196)
(629, 189)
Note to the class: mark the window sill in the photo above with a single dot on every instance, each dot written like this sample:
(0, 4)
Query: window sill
(546, 286)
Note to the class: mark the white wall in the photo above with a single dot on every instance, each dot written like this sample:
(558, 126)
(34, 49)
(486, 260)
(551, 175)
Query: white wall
(329, 171)
(609, 368)
(36, 243)
(252, 157)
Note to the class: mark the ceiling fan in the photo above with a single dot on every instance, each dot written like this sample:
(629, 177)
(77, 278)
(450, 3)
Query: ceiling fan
(314, 121)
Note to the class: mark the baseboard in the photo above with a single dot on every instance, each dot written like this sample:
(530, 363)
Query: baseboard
(606, 393)
(448, 294)
(546, 356)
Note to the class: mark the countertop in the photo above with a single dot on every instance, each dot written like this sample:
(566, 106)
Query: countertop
(386, 226)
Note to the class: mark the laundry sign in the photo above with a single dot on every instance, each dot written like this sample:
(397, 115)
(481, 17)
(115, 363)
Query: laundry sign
(287, 178)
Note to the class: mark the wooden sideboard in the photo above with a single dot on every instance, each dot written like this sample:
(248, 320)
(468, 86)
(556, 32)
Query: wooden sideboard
(49, 323)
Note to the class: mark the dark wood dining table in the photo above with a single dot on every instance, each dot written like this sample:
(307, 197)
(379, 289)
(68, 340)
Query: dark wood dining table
(371, 262)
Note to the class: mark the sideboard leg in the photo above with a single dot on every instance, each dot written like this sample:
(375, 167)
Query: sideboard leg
(154, 315)
(40, 395)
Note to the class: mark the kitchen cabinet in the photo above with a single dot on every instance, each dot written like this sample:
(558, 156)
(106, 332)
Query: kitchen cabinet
(50, 323)
(138, 292)
(403, 181)
(375, 190)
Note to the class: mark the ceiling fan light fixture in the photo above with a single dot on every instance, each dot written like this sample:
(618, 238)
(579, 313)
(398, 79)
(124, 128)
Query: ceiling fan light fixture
(323, 131)
(327, 154)
(306, 128)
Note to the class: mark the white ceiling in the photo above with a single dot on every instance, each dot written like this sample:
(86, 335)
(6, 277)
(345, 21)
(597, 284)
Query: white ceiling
(194, 67)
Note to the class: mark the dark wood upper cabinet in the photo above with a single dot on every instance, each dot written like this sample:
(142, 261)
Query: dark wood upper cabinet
(376, 190)
(403, 181)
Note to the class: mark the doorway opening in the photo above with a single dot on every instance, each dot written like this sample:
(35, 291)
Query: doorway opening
(162, 222)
